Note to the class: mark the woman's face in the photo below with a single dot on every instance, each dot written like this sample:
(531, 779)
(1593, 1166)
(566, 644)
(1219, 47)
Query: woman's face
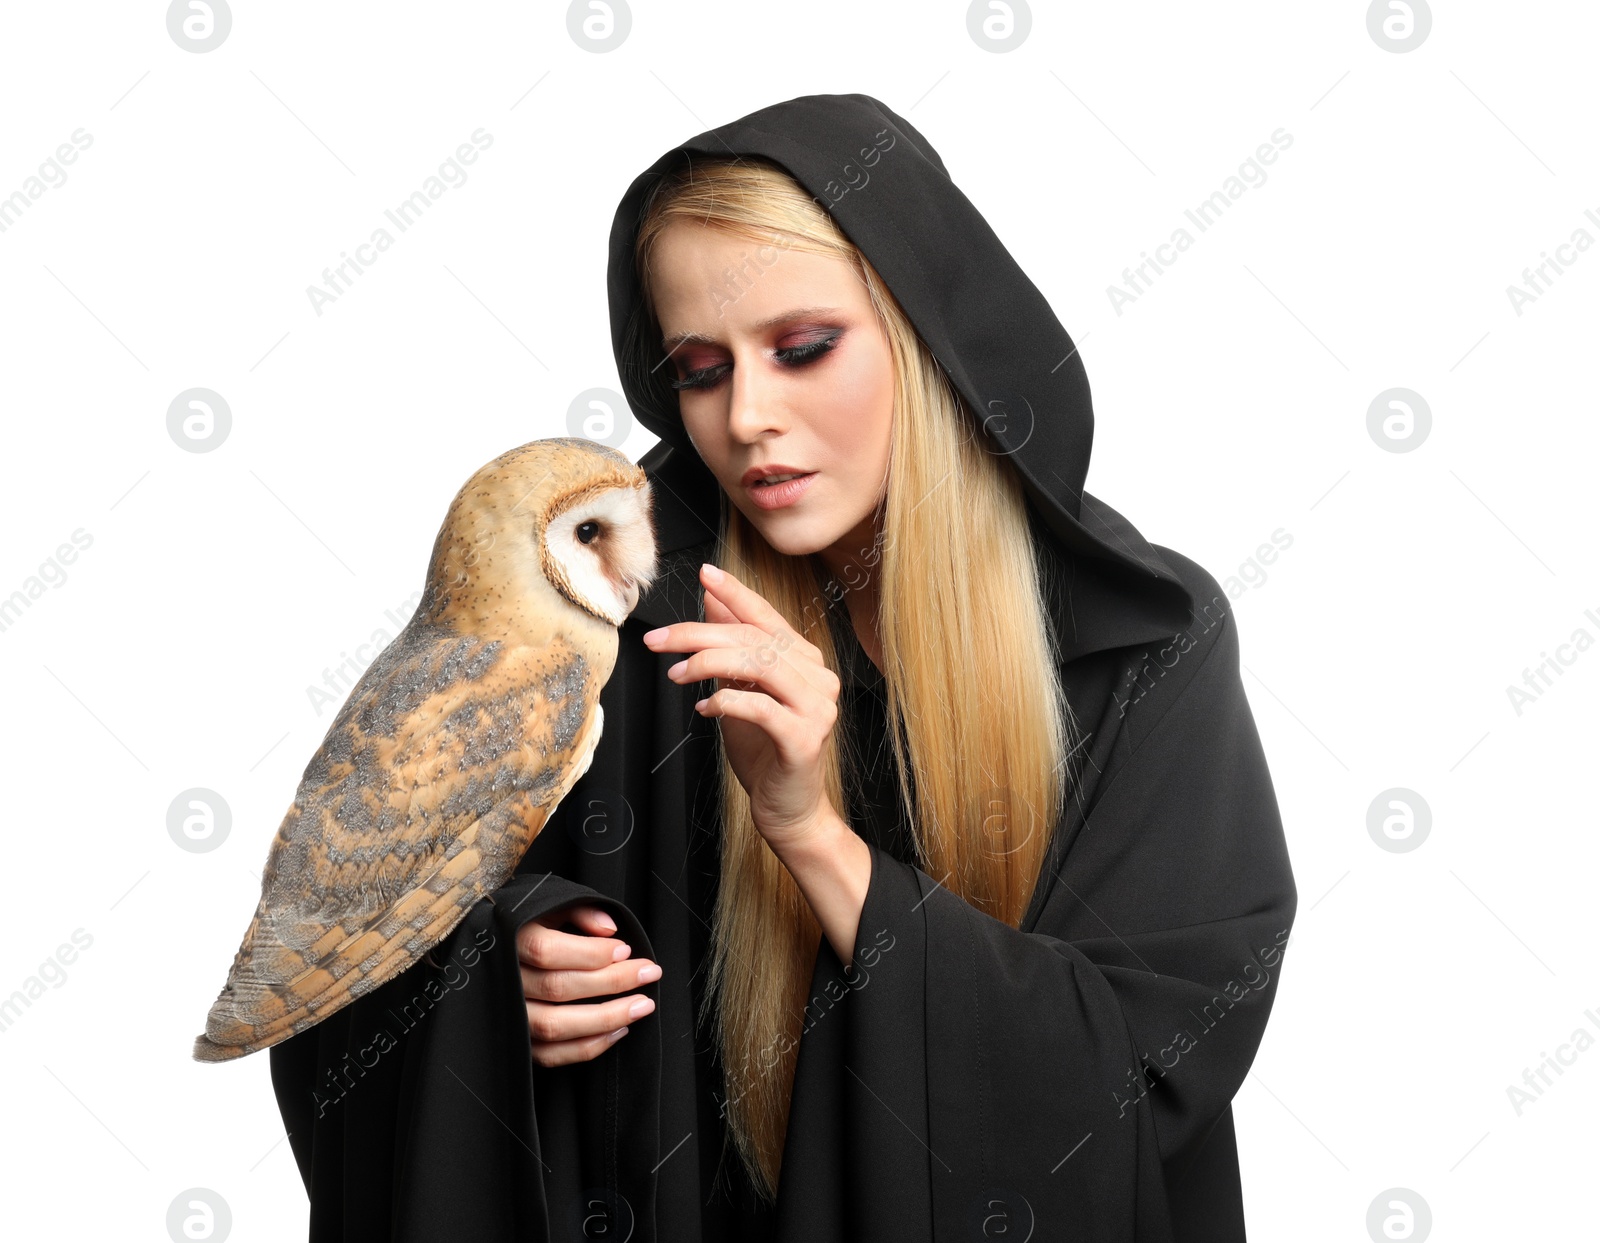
(780, 364)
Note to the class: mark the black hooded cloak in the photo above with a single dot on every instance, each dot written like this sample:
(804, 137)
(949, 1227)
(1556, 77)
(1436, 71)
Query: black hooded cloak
(1068, 1079)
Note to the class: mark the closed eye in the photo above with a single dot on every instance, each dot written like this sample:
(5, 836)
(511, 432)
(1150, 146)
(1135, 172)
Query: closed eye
(793, 356)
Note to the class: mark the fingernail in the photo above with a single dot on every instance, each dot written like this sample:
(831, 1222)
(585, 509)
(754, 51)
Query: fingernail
(649, 972)
(616, 1035)
(606, 922)
(712, 573)
(652, 636)
(622, 951)
(640, 1008)
(677, 668)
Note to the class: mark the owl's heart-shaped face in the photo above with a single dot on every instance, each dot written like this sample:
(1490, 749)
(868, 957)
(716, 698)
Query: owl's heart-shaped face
(605, 548)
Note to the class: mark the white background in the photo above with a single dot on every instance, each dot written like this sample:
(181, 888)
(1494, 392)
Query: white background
(1232, 402)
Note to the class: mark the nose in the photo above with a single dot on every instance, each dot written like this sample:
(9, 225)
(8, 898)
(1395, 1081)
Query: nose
(755, 404)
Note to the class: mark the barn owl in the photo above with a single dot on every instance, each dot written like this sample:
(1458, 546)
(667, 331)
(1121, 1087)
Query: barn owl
(455, 746)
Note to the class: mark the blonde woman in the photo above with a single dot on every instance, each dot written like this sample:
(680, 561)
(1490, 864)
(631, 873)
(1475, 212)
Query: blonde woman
(928, 881)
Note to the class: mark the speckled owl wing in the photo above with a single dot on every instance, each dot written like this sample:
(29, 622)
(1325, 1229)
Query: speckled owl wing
(439, 771)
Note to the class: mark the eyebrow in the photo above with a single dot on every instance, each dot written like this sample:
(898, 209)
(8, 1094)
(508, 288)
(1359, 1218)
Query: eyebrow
(699, 338)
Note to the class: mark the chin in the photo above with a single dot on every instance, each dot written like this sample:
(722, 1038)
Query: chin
(793, 539)
(787, 535)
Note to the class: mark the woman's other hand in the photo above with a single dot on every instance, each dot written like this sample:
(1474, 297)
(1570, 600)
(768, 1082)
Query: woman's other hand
(560, 968)
(777, 699)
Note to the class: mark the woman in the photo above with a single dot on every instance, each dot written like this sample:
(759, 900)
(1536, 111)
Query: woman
(998, 968)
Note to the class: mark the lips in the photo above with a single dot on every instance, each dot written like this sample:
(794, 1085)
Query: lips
(776, 485)
(771, 470)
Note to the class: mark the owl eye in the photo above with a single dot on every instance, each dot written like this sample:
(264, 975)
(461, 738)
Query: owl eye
(588, 532)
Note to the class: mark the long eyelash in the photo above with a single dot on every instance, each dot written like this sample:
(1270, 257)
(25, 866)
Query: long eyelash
(795, 354)
(695, 379)
(808, 351)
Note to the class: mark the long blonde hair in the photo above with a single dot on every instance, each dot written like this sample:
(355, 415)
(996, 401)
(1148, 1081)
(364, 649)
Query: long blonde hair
(969, 664)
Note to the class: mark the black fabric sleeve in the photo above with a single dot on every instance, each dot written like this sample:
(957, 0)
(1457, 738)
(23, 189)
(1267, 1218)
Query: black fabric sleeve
(417, 1112)
(1073, 1080)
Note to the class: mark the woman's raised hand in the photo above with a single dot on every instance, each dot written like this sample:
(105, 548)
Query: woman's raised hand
(559, 968)
(777, 699)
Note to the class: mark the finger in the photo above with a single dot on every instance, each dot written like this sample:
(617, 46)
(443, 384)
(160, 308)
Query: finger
(788, 640)
(548, 1022)
(753, 669)
(795, 653)
(795, 738)
(717, 611)
(753, 706)
(561, 986)
(744, 603)
(566, 1052)
(592, 920)
(549, 949)
(696, 635)
(761, 650)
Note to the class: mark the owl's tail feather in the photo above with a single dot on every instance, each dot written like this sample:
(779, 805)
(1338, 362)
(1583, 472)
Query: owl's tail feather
(250, 1015)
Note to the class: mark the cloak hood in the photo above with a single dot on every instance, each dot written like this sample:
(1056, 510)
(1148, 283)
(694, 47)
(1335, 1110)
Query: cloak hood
(985, 321)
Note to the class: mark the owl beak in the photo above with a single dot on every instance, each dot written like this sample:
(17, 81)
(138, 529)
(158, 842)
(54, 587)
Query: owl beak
(630, 593)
